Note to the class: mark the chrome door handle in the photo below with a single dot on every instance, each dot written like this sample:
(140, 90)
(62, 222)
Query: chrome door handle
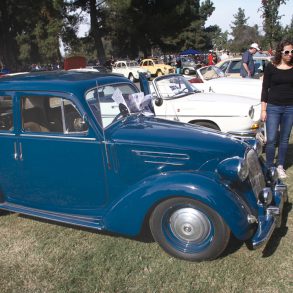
(15, 151)
(20, 151)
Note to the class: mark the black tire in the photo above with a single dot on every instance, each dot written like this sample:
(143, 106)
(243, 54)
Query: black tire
(207, 124)
(159, 73)
(186, 71)
(188, 229)
(131, 77)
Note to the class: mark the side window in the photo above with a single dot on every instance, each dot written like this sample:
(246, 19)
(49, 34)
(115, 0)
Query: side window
(224, 66)
(50, 114)
(6, 113)
(104, 102)
(235, 67)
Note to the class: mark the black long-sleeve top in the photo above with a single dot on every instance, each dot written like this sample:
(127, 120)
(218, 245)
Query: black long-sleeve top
(277, 86)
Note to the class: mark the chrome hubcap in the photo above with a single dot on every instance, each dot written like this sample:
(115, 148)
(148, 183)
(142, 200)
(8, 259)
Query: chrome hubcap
(190, 224)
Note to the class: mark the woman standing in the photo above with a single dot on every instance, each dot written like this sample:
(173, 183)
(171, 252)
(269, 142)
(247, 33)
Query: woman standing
(277, 104)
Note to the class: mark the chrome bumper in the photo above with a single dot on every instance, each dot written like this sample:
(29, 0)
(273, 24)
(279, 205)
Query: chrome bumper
(272, 217)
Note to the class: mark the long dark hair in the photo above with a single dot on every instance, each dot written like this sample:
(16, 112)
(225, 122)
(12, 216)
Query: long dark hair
(279, 49)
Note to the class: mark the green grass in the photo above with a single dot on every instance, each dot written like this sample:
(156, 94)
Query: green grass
(37, 256)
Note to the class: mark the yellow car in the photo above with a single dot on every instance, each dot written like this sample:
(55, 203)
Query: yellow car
(156, 67)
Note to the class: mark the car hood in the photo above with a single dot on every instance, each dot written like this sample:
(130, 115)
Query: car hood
(241, 86)
(212, 104)
(201, 145)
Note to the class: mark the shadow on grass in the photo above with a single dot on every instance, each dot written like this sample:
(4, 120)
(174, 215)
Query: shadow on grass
(289, 157)
(278, 234)
(233, 245)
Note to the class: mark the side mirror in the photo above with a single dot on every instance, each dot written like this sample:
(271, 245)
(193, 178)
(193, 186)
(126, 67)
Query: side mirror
(158, 102)
(123, 110)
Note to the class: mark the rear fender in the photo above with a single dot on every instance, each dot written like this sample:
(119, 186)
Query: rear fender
(127, 215)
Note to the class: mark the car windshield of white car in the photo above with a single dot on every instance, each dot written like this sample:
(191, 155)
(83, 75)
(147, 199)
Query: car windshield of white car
(132, 64)
(211, 72)
(173, 86)
(108, 101)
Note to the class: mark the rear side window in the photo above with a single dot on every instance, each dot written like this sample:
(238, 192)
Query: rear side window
(51, 114)
(235, 67)
(6, 114)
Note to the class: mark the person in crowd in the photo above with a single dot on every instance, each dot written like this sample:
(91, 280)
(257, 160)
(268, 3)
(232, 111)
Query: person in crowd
(260, 53)
(210, 58)
(215, 58)
(225, 55)
(247, 65)
(178, 65)
(277, 104)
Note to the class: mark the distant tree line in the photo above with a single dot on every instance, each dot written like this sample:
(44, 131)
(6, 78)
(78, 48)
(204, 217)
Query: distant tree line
(32, 31)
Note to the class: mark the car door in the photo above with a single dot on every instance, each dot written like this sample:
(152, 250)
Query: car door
(59, 157)
(9, 171)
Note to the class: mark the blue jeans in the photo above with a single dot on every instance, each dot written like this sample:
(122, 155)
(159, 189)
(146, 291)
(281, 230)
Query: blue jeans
(278, 117)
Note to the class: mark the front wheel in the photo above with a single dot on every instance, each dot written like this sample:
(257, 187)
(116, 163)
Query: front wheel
(159, 73)
(186, 71)
(188, 229)
(131, 77)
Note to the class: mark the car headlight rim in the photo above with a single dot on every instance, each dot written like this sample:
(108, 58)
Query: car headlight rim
(243, 170)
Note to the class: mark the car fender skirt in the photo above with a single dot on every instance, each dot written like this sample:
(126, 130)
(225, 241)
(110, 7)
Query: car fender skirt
(127, 215)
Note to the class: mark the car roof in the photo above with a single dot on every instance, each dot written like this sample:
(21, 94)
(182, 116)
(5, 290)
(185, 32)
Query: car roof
(59, 81)
(254, 57)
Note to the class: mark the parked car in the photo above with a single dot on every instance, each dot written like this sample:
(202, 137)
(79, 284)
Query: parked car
(64, 158)
(99, 68)
(130, 69)
(157, 67)
(183, 102)
(231, 67)
(213, 79)
(188, 65)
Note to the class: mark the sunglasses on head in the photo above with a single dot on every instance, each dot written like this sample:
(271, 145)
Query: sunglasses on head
(287, 52)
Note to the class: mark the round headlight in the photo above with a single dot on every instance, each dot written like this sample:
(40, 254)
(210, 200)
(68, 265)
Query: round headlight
(233, 169)
(258, 147)
(243, 170)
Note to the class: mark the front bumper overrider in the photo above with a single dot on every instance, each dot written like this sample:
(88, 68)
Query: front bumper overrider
(271, 217)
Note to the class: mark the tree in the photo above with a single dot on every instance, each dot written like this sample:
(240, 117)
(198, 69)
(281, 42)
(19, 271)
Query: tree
(95, 8)
(30, 32)
(271, 24)
(242, 34)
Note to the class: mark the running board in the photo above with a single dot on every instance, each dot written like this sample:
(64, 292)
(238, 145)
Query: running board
(82, 221)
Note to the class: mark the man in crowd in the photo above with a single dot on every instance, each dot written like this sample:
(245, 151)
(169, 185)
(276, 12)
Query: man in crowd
(247, 64)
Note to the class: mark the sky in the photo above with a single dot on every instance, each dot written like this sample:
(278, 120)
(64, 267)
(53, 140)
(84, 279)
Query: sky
(225, 9)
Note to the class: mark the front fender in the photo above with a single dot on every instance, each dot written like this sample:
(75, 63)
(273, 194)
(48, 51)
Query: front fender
(127, 215)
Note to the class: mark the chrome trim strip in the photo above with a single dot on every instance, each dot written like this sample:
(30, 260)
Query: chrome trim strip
(59, 137)
(162, 155)
(164, 163)
(7, 133)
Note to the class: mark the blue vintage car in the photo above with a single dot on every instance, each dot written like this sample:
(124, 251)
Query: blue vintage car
(85, 148)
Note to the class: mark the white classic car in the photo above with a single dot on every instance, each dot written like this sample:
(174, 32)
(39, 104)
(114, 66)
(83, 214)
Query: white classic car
(130, 69)
(176, 99)
(212, 79)
(231, 67)
(173, 97)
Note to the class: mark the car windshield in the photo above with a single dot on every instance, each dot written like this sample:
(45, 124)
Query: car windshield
(173, 86)
(132, 64)
(211, 72)
(112, 102)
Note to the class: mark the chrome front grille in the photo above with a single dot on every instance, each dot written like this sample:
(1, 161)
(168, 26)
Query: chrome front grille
(256, 176)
